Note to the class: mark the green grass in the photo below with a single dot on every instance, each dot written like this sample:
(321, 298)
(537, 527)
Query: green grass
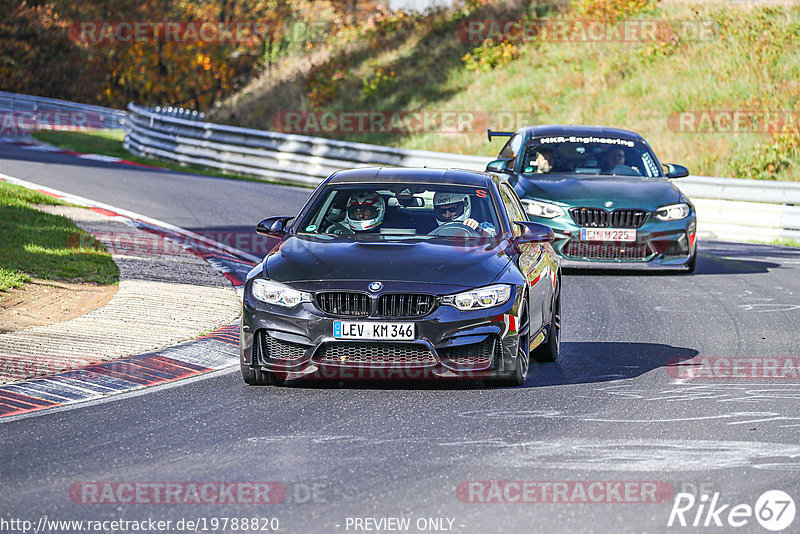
(786, 242)
(106, 142)
(34, 244)
(109, 143)
(749, 61)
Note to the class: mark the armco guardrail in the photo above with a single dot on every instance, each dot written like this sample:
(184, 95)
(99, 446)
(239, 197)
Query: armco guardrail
(730, 209)
(36, 112)
(288, 157)
(744, 210)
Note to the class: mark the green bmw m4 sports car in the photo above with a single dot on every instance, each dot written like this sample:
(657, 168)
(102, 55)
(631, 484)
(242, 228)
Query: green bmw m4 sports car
(604, 193)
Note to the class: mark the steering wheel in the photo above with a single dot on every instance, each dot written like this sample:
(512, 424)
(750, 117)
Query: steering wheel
(454, 229)
(623, 170)
(337, 228)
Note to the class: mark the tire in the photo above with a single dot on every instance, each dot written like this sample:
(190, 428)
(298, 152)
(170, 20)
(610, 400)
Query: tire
(520, 373)
(257, 377)
(691, 265)
(548, 351)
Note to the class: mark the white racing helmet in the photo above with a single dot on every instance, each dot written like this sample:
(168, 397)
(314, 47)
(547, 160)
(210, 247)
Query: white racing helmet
(365, 211)
(445, 199)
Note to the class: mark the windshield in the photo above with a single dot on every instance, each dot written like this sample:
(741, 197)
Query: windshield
(401, 212)
(589, 155)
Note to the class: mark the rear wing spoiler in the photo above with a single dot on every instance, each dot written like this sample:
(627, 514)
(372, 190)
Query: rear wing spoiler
(491, 134)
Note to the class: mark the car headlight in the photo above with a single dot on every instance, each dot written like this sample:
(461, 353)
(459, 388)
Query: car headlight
(537, 208)
(673, 212)
(478, 299)
(278, 294)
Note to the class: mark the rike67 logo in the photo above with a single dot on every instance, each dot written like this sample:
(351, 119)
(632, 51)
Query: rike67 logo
(774, 510)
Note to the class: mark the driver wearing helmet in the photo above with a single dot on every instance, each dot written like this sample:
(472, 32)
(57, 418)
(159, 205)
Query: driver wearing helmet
(365, 211)
(456, 208)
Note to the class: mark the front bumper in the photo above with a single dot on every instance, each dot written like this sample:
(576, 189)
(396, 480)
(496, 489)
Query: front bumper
(659, 244)
(448, 342)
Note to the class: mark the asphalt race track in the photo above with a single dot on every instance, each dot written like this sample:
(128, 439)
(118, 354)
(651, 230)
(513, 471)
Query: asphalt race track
(610, 410)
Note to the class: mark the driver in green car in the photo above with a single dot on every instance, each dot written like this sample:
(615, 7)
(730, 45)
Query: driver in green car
(545, 161)
(456, 208)
(615, 163)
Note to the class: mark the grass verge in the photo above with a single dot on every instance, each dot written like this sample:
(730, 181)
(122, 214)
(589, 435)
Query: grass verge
(786, 242)
(41, 245)
(109, 143)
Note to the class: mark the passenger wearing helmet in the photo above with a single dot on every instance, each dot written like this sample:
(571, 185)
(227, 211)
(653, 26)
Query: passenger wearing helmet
(456, 208)
(365, 211)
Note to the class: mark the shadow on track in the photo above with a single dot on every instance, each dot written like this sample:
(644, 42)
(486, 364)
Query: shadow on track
(717, 258)
(596, 361)
(580, 363)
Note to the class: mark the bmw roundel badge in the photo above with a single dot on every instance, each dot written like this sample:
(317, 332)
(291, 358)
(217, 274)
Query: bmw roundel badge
(375, 286)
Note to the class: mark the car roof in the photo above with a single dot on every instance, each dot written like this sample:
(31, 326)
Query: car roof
(548, 130)
(411, 175)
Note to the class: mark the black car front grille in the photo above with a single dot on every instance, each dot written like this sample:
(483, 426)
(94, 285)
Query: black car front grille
(600, 218)
(276, 349)
(627, 218)
(405, 305)
(343, 303)
(375, 354)
(598, 251)
(474, 355)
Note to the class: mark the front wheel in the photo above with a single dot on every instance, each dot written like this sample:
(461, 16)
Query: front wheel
(257, 377)
(691, 265)
(520, 373)
(548, 351)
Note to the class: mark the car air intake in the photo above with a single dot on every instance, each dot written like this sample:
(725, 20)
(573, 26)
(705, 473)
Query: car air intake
(341, 303)
(277, 349)
(596, 251)
(375, 354)
(405, 305)
(600, 218)
(475, 356)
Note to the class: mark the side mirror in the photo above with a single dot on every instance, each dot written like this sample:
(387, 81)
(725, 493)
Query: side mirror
(676, 171)
(534, 232)
(499, 165)
(273, 226)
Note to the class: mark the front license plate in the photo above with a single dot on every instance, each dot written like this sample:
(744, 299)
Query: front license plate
(607, 234)
(373, 330)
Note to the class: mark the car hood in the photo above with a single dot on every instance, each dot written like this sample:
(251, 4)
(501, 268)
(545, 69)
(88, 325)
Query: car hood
(457, 263)
(594, 191)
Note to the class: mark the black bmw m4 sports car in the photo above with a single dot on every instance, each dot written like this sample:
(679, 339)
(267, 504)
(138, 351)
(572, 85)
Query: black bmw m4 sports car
(403, 273)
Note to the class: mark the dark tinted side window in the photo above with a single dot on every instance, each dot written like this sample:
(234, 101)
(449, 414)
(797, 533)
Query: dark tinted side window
(511, 150)
(513, 208)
